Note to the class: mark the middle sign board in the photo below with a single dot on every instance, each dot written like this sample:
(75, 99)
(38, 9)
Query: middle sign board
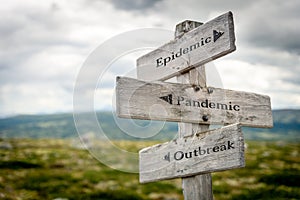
(190, 103)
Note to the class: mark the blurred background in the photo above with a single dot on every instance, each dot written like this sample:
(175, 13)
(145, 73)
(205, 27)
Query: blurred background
(45, 44)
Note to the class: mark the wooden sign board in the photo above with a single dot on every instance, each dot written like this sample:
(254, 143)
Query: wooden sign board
(216, 150)
(196, 47)
(190, 103)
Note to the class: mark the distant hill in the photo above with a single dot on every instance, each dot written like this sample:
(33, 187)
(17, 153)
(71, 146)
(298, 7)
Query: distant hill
(63, 126)
(286, 127)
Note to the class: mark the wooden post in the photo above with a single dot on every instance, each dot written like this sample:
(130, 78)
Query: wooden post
(195, 187)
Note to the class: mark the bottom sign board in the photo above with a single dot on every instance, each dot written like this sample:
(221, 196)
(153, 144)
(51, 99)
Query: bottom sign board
(205, 152)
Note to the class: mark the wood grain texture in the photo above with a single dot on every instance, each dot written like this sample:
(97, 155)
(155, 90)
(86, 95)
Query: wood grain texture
(200, 185)
(191, 103)
(197, 187)
(215, 150)
(194, 48)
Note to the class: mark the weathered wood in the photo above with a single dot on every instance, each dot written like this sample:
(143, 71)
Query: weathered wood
(198, 186)
(215, 150)
(185, 27)
(196, 47)
(191, 103)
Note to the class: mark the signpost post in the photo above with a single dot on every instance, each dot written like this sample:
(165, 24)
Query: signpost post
(197, 152)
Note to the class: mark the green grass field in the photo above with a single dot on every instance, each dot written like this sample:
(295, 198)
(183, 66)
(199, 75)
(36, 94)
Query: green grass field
(53, 169)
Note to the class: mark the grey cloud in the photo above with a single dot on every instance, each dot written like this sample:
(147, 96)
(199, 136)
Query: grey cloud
(273, 25)
(134, 5)
(293, 79)
(24, 34)
(34, 28)
(262, 23)
(216, 5)
(281, 37)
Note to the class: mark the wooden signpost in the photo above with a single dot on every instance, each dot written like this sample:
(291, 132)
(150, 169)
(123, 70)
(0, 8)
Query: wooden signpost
(197, 151)
(215, 150)
(191, 103)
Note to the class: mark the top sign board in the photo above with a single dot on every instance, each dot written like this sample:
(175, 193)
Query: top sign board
(197, 47)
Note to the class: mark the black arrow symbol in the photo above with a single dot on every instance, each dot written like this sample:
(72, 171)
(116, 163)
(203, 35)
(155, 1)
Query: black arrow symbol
(167, 157)
(217, 35)
(167, 98)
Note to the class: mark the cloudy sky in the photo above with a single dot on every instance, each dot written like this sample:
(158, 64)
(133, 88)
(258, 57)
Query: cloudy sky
(45, 44)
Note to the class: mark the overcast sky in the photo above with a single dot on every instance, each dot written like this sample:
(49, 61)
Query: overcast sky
(44, 45)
